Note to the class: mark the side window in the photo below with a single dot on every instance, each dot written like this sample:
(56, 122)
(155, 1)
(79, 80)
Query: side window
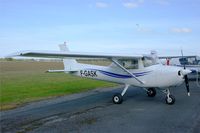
(129, 63)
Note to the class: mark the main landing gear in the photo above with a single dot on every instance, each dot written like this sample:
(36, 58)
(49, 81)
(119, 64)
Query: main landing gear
(151, 92)
(118, 98)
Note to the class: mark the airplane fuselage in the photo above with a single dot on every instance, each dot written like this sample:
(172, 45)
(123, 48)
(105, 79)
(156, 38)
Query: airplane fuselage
(158, 76)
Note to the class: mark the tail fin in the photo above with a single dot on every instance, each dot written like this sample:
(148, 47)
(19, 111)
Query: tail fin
(69, 64)
(63, 47)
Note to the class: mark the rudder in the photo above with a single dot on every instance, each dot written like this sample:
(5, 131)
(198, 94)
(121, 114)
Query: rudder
(69, 63)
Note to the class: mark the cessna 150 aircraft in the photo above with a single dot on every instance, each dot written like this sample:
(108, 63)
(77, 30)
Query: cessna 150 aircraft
(131, 70)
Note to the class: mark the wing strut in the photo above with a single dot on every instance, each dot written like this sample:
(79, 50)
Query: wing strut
(127, 71)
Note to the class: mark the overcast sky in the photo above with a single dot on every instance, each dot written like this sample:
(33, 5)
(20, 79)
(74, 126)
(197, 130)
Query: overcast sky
(126, 26)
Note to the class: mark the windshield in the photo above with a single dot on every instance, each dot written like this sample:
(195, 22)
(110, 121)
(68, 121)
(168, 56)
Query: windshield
(148, 61)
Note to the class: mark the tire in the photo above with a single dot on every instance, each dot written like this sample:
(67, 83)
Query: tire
(170, 100)
(151, 92)
(117, 98)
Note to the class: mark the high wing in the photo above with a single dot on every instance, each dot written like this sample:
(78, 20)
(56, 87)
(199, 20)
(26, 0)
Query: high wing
(56, 54)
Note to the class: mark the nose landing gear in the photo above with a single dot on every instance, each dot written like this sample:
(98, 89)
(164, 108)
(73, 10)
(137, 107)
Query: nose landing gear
(170, 99)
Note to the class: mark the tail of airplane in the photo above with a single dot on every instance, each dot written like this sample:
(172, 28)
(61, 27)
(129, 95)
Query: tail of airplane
(69, 63)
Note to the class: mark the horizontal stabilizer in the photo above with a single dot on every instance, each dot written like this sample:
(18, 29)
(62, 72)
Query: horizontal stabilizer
(55, 71)
(60, 71)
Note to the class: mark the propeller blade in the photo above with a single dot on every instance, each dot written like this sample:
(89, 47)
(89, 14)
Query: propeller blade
(186, 77)
(185, 71)
(187, 85)
(182, 58)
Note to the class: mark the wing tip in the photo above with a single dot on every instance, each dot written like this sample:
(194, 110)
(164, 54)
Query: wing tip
(16, 54)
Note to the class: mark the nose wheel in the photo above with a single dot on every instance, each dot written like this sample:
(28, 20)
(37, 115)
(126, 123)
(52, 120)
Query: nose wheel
(170, 99)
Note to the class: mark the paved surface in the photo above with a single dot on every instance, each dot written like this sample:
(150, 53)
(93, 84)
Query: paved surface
(94, 112)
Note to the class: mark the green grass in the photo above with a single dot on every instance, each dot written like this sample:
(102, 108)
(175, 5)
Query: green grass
(21, 86)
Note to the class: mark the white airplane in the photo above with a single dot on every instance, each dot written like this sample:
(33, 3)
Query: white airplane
(131, 70)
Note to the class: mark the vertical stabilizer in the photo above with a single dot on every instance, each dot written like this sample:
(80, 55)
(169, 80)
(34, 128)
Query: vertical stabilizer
(69, 63)
(63, 47)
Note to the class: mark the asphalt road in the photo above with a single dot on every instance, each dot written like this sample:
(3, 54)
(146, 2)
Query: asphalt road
(94, 112)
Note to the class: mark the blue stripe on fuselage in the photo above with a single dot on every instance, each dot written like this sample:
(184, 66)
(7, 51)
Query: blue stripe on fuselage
(121, 75)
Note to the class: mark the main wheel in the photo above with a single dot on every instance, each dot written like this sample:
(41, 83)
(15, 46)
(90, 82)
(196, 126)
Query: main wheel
(170, 100)
(151, 92)
(117, 98)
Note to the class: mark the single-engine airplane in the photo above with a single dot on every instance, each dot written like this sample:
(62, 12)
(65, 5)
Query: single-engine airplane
(131, 70)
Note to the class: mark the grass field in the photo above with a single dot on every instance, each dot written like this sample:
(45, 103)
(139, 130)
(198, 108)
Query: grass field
(26, 81)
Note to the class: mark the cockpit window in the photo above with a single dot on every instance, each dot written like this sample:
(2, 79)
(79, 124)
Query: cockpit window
(129, 63)
(148, 61)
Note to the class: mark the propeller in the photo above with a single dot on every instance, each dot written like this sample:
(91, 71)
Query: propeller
(186, 77)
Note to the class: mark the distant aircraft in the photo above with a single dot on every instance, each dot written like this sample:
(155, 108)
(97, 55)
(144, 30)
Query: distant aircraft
(131, 70)
(190, 62)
